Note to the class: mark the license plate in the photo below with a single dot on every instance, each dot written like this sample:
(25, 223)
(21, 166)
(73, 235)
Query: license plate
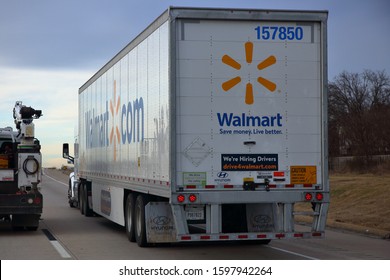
(195, 214)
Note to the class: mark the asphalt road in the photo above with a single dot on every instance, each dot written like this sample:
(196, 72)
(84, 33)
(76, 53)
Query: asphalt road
(65, 234)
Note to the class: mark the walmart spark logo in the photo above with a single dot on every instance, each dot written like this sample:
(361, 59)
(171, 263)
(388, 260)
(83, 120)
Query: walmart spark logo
(112, 123)
(114, 109)
(226, 86)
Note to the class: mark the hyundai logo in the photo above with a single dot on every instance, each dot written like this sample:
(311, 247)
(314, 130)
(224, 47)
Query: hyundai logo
(223, 175)
(161, 220)
(262, 219)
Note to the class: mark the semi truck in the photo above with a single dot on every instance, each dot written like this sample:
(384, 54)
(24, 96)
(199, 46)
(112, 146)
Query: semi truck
(20, 171)
(211, 125)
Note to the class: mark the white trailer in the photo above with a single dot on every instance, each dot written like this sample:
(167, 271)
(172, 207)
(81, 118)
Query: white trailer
(210, 125)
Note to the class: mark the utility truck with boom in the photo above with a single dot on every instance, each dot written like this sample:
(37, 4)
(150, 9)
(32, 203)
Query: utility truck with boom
(211, 125)
(20, 170)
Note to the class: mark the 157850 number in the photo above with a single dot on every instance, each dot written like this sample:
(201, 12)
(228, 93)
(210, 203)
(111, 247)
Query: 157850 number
(279, 32)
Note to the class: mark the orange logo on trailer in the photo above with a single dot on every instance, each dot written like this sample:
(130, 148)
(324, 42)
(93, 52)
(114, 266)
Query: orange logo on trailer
(114, 109)
(249, 98)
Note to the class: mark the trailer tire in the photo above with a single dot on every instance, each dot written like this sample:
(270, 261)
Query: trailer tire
(264, 242)
(139, 215)
(129, 217)
(234, 218)
(34, 228)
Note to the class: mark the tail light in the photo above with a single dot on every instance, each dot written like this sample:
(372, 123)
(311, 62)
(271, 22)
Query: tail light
(319, 196)
(308, 196)
(181, 198)
(37, 200)
(192, 198)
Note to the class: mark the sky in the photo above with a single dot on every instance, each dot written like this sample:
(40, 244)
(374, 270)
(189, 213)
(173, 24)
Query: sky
(50, 48)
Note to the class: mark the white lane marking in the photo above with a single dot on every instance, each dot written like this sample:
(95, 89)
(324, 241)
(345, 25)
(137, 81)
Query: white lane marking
(292, 253)
(57, 245)
(60, 249)
(56, 180)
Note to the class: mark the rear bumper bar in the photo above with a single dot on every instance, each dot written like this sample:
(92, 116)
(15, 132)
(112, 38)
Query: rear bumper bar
(21, 203)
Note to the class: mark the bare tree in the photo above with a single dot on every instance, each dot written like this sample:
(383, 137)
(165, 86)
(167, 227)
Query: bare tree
(359, 111)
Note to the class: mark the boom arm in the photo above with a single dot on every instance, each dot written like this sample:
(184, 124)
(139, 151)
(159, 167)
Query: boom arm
(23, 117)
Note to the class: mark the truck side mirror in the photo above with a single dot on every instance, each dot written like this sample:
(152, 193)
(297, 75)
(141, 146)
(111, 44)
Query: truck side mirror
(65, 150)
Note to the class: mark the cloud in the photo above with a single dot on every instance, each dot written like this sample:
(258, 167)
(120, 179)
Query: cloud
(53, 92)
(68, 34)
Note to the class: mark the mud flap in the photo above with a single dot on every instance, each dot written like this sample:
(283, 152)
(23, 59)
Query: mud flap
(261, 217)
(31, 221)
(160, 225)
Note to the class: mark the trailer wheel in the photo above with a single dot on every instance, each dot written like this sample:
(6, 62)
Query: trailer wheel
(34, 228)
(129, 217)
(264, 242)
(234, 218)
(140, 227)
